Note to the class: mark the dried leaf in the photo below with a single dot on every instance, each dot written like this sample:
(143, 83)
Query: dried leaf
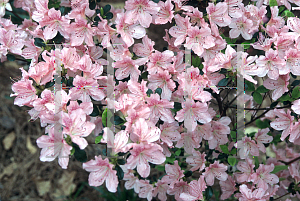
(8, 140)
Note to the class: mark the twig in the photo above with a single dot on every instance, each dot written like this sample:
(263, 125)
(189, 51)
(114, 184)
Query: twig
(288, 163)
(282, 196)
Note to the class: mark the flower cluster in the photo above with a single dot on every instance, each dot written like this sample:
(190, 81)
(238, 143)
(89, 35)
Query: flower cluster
(166, 116)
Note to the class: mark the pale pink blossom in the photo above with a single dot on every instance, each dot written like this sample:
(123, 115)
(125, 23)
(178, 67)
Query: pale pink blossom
(218, 14)
(227, 187)
(294, 171)
(146, 190)
(144, 49)
(84, 88)
(261, 138)
(100, 171)
(262, 177)
(195, 190)
(296, 106)
(215, 170)
(197, 160)
(160, 61)
(179, 187)
(81, 32)
(165, 13)
(144, 132)
(53, 145)
(76, 126)
(25, 92)
(246, 169)
(189, 141)
(246, 146)
(140, 10)
(233, 8)
(180, 31)
(284, 122)
(160, 109)
(161, 189)
(169, 133)
(247, 194)
(241, 25)
(220, 130)
(275, 19)
(292, 57)
(41, 10)
(134, 114)
(280, 85)
(193, 112)
(141, 154)
(174, 174)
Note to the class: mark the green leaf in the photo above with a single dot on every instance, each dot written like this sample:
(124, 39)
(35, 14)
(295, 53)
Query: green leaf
(285, 98)
(278, 168)
(288, 13)
(233, 135)
(262, 124)
(49, 84)
(224, 148)
(95, 112)
(170, 160)
(262, 89)
(232, 161)
(118, 120)
(106, 8)
(257, 97)
(196, 61)
(98, 139)
(160, 168)
(188, 173)
(233, 152)
(296, 93)
(256, 162)
(296, 83)
(274, 104)
(72, 151)
(223, 82)
(79, 154)
(10, 57)
(120, 172)
(109, 15)
(273, 3)
(208, 192)
(158, 91)
(121, 161)
(281, 8)
(282, 179)
(250, 86)
(149, 92)
(106, 116)
(39, 42)
(178, 152)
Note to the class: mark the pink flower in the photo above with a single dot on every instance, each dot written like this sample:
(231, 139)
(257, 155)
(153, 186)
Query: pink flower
(81, 32)
(145, 49)
(293, 24)
(241, 25)
(54, 23)
(140, 10)
(294, 171)
(292, 57)
(101, 170)
(160, 109)
(197, 161)
(76, 126)
(218, 14)
(41, 10)
(247, 145)
(144, 132)
(195, 191)
(174, 174)
(279, 86)
(146, 190)
(127, 67)
(220, 130)
(233, 8)
(31, 51)
(227, 187)
(53, 145)
(84, 88)
(135, 114)
(199, 39)
(284, 122)
(262, 176)
(169, 133)
(165, 13)
(141, 154)
(261, 138)
(179, 187)
(25, 92)
(215, 170)
(271, 64)
(180, 31)
(189, 140)
(12, 41)
(247, 194)
(275, 19)
(161, 189)
(160, 61)
(296, 106)
(246, 169)
(193, 112)
(127, 30)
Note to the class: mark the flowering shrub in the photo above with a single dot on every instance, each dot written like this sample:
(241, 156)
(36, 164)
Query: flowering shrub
(156, 110)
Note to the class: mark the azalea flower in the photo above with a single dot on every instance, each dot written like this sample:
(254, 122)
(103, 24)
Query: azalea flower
(218, 14)
(140, 10)
(169, 133)
(262, 176)
(227, 187)
(195, 190)
(101, 170)
(284, 122)
(141, 154)
(25, 92)
(246, 169)
(53, 145)
(174, 174)
(197, 160)
(280, 86)
(292, 57)
(179, 187)
(261, 138)
(165, 13)
(241, 25)
(144, 132)
(296, 106)
(161, 189)
(215, 170)
(247, 145)
(180, 31)
(249, 194)
(146, 190)
(41, 10)
(81, 31)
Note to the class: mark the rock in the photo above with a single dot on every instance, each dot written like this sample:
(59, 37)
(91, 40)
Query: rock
(43, 187)
(32, 149)
(8, 140)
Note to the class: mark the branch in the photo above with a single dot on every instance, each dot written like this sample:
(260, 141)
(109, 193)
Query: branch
(288, 163)
(282, 196)
(287, 106)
